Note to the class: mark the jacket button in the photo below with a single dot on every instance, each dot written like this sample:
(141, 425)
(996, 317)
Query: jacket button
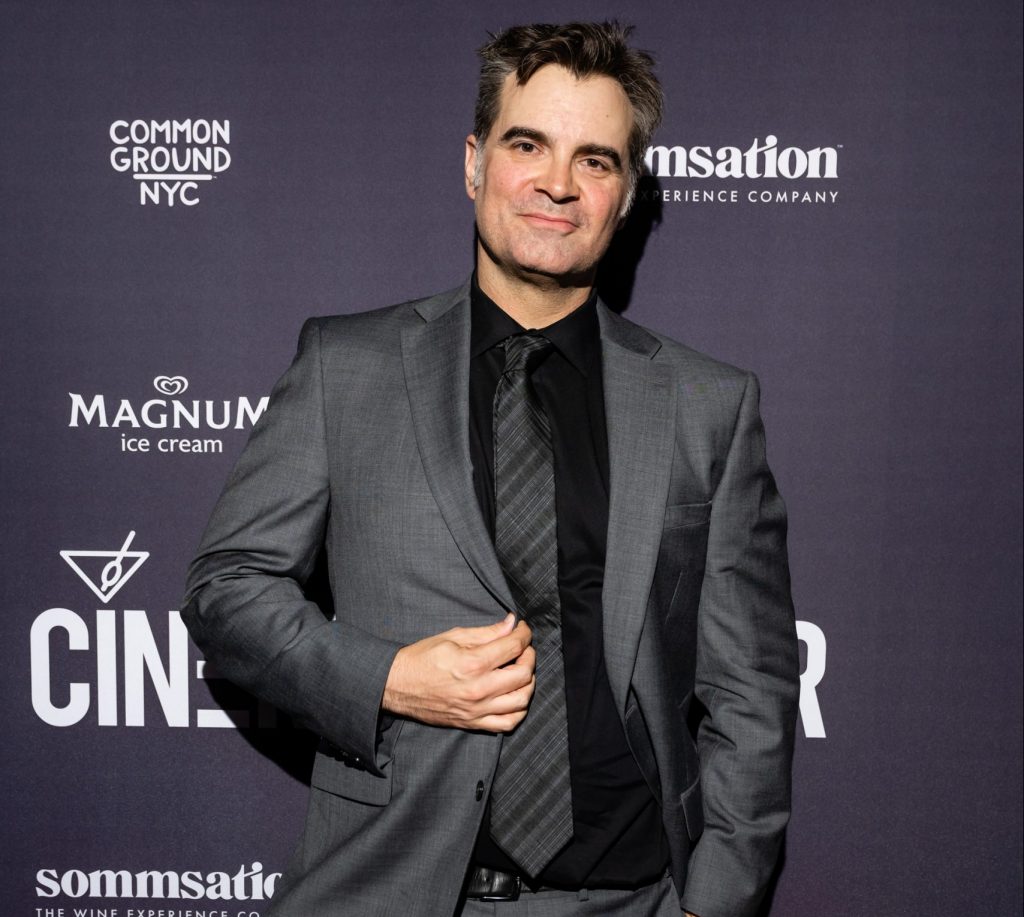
(479, 790)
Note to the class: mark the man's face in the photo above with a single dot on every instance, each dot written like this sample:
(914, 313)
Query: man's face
(554, 176)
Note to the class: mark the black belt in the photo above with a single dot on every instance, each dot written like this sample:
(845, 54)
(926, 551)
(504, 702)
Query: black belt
(483, 884)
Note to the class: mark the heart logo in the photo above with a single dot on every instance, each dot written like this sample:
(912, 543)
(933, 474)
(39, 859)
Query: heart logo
(170, 385)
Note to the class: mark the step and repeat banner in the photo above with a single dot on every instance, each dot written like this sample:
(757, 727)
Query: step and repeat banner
(834, 202)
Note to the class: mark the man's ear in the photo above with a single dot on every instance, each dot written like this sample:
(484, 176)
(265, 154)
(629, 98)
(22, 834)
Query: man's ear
(471, 154)
(624, 216)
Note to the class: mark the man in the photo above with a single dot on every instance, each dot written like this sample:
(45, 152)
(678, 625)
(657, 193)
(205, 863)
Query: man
(561, 670)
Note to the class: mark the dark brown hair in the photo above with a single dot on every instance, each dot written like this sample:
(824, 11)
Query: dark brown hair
(584, 49)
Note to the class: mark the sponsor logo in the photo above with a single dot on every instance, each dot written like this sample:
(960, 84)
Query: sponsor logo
(169, 159)
(247, 884)
(760, 162)
(119, 567)
(168, 675)
(167, 412)
(170, 385)
(135, 656)
(813, 639)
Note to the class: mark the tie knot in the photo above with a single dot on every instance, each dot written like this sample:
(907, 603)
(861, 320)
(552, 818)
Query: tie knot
(523, 351)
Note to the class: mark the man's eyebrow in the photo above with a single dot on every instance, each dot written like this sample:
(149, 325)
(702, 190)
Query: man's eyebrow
(595, 149)
(528, 133)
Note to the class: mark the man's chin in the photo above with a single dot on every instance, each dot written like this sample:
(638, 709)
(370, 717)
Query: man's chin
(557, 275)
(542, 267)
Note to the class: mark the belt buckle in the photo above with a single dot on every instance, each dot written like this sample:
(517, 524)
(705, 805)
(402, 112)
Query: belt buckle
(510, 896)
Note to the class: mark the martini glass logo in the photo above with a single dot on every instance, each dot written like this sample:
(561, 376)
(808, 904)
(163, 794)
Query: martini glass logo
(105, 572)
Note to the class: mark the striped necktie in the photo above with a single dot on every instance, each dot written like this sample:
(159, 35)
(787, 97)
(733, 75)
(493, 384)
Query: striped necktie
(531, 798)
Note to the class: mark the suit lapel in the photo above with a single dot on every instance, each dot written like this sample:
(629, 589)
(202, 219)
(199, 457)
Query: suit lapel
(435, 357)
(640, 410)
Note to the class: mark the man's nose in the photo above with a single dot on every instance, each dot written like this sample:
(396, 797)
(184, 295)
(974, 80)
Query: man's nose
(558, 179)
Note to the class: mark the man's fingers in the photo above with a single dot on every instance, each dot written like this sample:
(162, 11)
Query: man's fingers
(501, 681)
(477, 636)
(504, 649)
(527, 657)
(516, 701)
(505, 722)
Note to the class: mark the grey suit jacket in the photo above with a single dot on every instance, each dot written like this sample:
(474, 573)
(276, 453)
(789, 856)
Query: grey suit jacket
(364, 454)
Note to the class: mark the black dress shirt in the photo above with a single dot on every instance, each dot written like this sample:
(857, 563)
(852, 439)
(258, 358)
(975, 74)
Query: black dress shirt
(618, 840)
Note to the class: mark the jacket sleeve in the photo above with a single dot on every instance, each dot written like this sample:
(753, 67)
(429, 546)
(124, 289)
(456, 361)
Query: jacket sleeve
(245, 604)
(747, 678)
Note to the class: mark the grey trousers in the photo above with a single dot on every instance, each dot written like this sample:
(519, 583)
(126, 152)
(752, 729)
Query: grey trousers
(656, 900)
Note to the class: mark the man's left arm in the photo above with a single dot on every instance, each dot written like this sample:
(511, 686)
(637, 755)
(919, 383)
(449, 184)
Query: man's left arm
(747, 678)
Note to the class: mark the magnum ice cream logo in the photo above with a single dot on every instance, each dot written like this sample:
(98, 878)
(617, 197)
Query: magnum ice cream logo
(166, 412)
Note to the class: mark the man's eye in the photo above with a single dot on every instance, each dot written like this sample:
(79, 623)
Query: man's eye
(525, 146)
(598, 164)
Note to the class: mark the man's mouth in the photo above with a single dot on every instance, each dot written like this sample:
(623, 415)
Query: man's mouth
(547, 221)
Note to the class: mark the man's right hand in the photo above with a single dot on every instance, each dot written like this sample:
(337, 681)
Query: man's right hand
(467, 678)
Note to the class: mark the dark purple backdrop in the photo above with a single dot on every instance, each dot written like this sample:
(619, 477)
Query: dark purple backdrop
(885, 324)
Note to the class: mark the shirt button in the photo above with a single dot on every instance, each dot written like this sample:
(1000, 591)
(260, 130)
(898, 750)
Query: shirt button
(479, 790)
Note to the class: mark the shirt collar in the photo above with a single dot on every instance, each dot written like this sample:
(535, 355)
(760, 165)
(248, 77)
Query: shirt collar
(576, 335)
